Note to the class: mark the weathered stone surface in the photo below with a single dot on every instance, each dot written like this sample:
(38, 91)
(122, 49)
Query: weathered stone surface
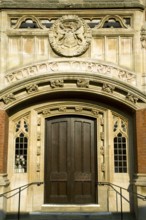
(61, 4)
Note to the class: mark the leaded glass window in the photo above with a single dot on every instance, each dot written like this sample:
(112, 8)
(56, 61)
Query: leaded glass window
(120, 156)
(120, 145)
(21, 146)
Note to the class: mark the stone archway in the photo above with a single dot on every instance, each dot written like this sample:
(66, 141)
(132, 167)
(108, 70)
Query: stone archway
(70, 88)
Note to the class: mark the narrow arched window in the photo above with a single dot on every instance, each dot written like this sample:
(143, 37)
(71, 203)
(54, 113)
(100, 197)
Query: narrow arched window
(120, 154)
(21, 146)
(21, 153)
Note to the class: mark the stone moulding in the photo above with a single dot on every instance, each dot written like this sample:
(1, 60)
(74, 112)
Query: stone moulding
(56, 4)
(71, 66)
(81, 83)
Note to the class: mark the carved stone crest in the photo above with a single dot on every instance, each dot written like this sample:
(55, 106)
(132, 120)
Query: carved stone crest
(70, 36)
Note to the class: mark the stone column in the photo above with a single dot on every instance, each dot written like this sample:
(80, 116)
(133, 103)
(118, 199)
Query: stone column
(3, 158)
(140, 179)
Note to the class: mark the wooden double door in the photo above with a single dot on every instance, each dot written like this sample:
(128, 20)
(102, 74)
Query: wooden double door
(70, 160)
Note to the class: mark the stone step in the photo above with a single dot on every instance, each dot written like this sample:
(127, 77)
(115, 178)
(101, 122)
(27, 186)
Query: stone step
(60, 216)
(69, 216)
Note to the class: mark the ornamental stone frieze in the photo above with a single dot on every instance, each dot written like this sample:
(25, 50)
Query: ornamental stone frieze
(82, 83)
(68, 66)
(70, 36)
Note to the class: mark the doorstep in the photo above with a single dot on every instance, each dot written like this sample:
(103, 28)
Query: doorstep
(70, 208)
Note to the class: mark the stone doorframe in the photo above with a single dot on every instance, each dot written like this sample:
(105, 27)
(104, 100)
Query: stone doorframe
(91, 79)
(36, 115)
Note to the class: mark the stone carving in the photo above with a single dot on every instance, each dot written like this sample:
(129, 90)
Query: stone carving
(57, 83)
(38, 137)
(83, 83)
(108, 88)
(114, 18)
(78, 109)
(95, 111)
(71, 65)
(46, 112)
(38, 151)
(103, 167)
(102, 135)
(9, 98)
(62, 109)
(143, 36)
(32, 88)
(102, 150)
(32, 20)
(101, 121)
(70, 109)
(132, 98)
(38, 166)
(39, 122)
(70, 36)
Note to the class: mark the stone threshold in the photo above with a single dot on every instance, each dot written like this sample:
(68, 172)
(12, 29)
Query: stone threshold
(70, 208)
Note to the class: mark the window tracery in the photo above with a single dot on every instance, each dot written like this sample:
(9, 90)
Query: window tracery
(120, 145)
(21, 146)
(108, 21)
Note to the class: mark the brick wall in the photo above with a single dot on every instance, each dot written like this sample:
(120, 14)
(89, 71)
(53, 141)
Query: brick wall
(3, 141)
(141, 140)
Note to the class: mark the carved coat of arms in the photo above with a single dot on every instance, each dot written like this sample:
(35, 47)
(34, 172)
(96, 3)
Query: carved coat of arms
(70, 36)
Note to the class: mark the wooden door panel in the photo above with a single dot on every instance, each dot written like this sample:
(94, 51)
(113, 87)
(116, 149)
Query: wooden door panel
(56, 166)
(84, 160)
(70, 160)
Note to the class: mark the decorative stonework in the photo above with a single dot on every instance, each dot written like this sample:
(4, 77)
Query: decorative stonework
(70, 66)
(132, 98)
(108, 88)
(69, 109)
(9, 98)
(57, 83)
(143, 36)
(84, 83)
(70, 36)
(32, 20)
(32, 88)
